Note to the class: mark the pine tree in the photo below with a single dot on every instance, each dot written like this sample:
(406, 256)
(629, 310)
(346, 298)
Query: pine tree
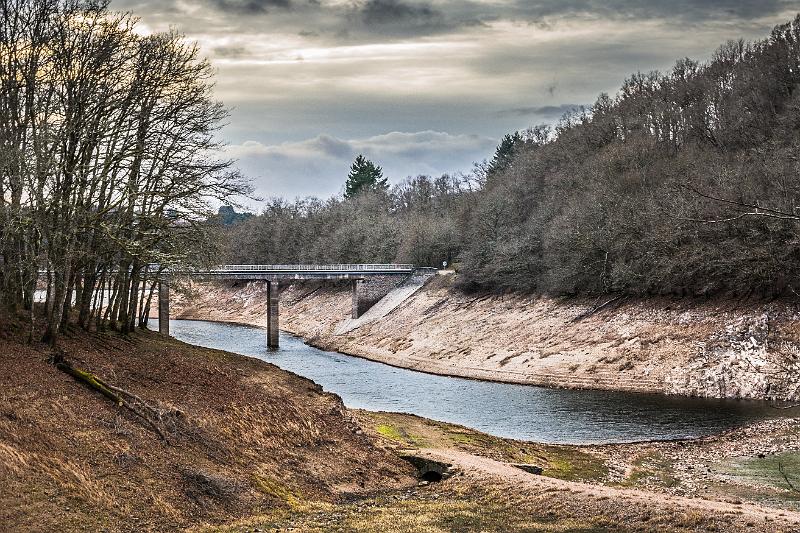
(364, 175)
(504, 153)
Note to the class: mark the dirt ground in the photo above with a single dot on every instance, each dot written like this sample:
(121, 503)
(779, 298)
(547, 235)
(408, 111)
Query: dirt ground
(256, 448)
(758, 464)
(577, 489)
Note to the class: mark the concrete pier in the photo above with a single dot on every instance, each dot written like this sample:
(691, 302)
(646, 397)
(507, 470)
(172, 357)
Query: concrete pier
(273, 333)
(355, 284)
(163, 307)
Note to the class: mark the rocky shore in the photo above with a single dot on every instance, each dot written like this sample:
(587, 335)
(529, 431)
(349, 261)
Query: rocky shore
(710, 348)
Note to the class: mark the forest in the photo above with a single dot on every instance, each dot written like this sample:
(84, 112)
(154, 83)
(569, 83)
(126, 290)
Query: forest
(684, 182)
(108, 167)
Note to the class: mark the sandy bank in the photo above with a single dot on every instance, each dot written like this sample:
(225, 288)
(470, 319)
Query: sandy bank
(714, 348)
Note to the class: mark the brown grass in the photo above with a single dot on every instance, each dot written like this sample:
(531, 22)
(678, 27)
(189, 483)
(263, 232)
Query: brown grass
(253, 439)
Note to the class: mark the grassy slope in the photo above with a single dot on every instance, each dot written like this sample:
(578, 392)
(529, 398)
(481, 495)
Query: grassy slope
(472, 501)
(262, 448)
(254, 439)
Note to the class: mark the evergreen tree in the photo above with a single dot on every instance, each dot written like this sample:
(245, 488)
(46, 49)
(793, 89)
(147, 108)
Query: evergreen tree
(504, 153)
(364, 175)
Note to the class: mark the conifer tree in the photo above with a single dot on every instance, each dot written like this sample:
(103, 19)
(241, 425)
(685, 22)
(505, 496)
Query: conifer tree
(364, 175)
(504, 153)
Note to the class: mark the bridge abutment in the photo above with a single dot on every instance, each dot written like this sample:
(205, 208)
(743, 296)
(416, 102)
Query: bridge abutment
(273, 333)
(367, 292)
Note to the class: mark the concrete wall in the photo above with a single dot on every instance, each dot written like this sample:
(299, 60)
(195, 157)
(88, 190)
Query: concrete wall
(368, 292)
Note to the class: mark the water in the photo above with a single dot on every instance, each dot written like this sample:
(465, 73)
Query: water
(505, 410)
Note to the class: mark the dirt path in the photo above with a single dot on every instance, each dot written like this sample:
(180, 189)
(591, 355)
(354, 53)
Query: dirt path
(477, 467)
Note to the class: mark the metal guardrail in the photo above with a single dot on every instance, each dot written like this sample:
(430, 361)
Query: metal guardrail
(315, 268)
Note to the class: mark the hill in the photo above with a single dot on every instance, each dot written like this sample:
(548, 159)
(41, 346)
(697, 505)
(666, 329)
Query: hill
(249, 438)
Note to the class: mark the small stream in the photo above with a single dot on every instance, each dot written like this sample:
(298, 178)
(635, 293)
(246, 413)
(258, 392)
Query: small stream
(505, 410)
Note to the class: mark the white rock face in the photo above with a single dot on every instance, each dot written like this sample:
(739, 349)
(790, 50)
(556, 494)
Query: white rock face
(740, 361)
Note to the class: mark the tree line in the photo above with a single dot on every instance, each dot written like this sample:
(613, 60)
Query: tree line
(684, 182)
(107, 162)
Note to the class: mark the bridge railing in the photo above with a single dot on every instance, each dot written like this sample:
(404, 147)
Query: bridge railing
(316, 268)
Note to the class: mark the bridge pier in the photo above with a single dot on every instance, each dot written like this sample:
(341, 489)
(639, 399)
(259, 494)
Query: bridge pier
(273, 333)
(163, 306)
(370, 283)
(356, 285)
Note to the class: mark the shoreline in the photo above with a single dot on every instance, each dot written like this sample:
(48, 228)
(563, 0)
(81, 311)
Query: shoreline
(281, 426)
(673, 347)
(309, 342)
(767, 421)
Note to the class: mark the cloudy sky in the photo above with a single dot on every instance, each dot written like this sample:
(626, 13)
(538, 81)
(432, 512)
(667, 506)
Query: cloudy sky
(425, 86)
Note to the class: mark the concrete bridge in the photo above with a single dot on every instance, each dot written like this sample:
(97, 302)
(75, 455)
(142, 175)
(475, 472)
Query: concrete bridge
(370, 283)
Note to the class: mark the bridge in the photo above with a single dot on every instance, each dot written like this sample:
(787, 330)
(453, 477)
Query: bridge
(370, 283)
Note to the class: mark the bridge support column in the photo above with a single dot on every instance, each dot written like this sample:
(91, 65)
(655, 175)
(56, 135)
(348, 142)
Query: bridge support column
(356, 285)
(273, 332)
(163, 306)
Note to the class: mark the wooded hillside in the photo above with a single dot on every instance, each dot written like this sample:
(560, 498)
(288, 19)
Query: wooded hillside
(684, 182)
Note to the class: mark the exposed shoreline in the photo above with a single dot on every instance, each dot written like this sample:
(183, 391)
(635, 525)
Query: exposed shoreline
(718, 349)
(721, 433)
(259, 447)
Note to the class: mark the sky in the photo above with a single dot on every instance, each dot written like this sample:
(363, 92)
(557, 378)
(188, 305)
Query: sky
(424, 86)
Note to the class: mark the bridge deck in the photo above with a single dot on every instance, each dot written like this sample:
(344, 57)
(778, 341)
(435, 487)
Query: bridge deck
(280, 272)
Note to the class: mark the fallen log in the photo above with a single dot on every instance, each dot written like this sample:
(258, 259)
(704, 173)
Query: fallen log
(90, 380)
(152, 415)
(600, 307)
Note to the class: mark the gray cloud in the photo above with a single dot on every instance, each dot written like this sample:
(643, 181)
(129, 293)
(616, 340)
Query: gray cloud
(318, 166)
(685, 10)
(398, 17)
(368, 19)
(463, 67)
(250, 7)
(543, 112)
(230, 51)
(397, 12)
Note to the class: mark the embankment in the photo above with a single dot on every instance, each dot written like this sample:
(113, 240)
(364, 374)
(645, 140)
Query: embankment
(718, 348)
(248, 438)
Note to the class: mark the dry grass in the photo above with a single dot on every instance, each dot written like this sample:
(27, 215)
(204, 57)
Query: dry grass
(253, 438)
(396, 430)
(457, 507)
(462, 505)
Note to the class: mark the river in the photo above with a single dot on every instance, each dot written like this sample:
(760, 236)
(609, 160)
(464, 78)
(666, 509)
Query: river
(505, 410)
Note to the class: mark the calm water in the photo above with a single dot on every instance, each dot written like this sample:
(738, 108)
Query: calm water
(505, 410)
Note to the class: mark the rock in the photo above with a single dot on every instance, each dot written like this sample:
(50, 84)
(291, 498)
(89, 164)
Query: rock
(531, 469)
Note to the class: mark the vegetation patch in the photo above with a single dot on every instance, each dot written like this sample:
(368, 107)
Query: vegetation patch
(780, 472)
(273, 487)
(573, 464)
(456, 509)
(400, 435)
(562, 462)
(651, 469)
